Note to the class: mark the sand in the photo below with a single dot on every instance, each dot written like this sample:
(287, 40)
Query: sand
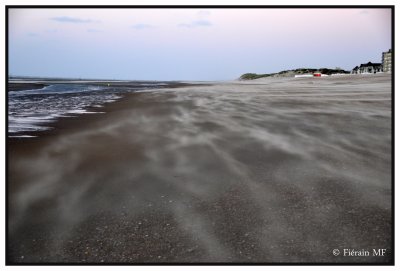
(24, 86)
(265, 171)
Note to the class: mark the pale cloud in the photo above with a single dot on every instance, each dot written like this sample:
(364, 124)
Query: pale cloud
(142, 26)
(92, 30)
(197, 23)
(66, 19)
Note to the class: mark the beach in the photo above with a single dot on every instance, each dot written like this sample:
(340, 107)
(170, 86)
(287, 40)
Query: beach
(277, 170)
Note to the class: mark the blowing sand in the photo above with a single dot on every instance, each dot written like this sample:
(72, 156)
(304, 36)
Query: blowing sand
(278, 170)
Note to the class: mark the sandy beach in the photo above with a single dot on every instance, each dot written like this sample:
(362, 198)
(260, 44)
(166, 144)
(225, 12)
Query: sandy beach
(280, 170)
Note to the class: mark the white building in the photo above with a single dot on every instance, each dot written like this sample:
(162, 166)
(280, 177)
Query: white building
(368, 68)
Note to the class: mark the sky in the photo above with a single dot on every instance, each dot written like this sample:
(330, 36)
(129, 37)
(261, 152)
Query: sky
(191, 44)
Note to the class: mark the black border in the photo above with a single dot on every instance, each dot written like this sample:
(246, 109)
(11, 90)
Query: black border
(392, 7)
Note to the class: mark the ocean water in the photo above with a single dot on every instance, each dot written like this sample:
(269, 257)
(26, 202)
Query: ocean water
(35, 110)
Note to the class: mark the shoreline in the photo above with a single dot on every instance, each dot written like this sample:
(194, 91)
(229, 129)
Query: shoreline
(234, 172)
(38, 84)
(25, 86)
(90, 110)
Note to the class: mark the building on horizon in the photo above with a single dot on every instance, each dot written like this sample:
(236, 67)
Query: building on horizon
(385, 66)
(367, 68)
(387, 61)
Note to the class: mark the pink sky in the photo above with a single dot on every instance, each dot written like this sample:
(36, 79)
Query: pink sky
(192, 44)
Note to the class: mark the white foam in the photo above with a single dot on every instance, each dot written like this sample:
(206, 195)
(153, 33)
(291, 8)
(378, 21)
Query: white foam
(21, 136)
(30, 109)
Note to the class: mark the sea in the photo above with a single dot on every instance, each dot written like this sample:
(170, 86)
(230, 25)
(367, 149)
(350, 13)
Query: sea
(34, 110)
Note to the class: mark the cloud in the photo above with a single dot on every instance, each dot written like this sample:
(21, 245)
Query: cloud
(197, 23)
(66, 19)
(92, 30)
(201, 23)
(142, 26)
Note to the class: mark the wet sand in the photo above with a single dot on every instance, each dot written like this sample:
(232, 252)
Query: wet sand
(264, 171)
(24, 86)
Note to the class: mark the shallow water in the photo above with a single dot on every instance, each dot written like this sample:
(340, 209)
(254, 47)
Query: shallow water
(280, 172)
(35, 110)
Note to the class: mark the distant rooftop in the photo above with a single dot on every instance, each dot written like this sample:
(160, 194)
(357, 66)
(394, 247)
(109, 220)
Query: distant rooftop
(370, 64)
